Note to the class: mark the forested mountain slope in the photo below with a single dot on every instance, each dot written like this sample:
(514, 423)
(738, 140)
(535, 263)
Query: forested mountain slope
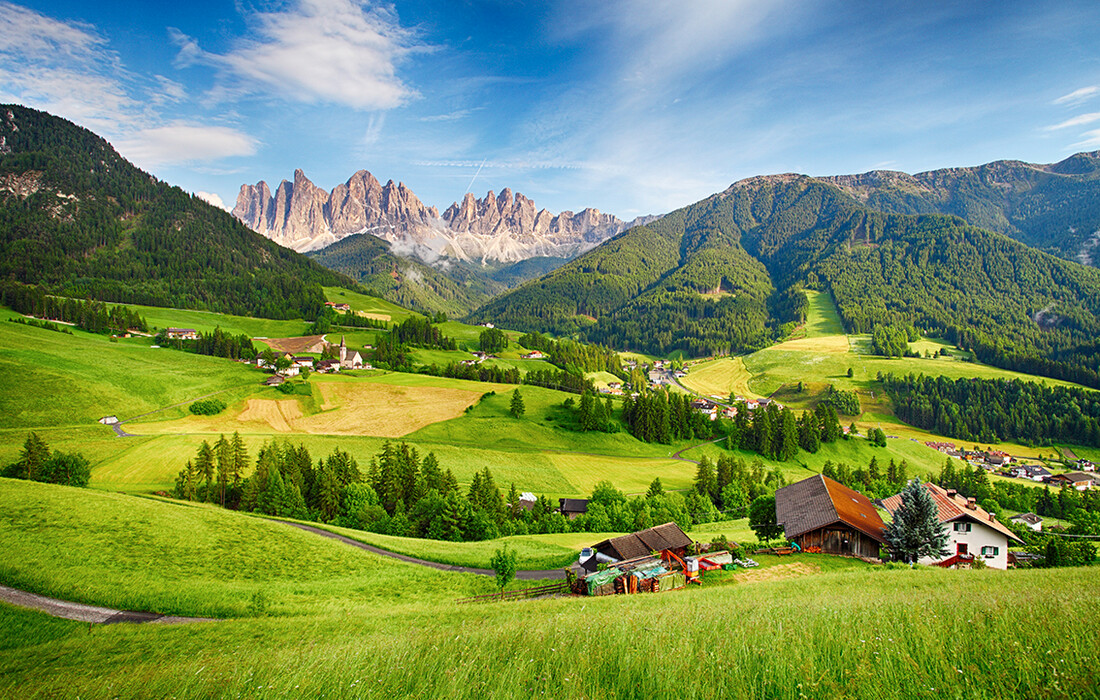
(724, 275)
(1052, 207)
(79, 220)
(405, 281)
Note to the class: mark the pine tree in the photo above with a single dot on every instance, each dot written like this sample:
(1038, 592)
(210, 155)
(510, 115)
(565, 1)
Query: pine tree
(204, 465)
(916, 531)
(32, 459)
(517, 409)
(240, 459)
(788, 436)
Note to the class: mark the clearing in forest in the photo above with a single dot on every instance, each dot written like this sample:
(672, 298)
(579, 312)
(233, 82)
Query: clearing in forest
(720, 377)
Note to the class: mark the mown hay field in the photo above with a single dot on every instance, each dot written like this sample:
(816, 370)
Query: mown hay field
(347, 408)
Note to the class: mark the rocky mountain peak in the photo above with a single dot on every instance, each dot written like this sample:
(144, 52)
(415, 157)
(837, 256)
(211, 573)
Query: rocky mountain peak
(505, 227)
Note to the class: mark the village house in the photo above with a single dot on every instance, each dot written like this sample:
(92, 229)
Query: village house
(326, 366)
(1030, 519)
(820, 512)
(1086, 466)
(302, 362)
(534, 355)
(1034, 472)
(1078, 480)
(971, 530)
(339, 306)
(572, 508)
(486, 325)
(181, 333)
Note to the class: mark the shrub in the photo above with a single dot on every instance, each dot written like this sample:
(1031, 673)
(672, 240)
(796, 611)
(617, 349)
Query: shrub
(208, 407)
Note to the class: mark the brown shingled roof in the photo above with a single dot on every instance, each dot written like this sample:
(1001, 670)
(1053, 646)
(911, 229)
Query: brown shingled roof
(819, 501)
(643, 542)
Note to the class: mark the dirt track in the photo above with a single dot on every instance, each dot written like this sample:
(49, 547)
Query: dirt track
(87, 613)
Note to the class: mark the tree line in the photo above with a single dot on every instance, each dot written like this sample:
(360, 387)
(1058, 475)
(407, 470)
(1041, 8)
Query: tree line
(215, 344)
(990, 410)
(88, 315)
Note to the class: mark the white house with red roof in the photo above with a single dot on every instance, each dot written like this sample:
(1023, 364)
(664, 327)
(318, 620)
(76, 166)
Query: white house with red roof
(973, 533)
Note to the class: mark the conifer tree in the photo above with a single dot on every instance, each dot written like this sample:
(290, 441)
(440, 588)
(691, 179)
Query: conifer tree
(517, 409)
(788, 436)
(916, 531)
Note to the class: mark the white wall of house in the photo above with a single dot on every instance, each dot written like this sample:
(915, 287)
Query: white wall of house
(981, 541)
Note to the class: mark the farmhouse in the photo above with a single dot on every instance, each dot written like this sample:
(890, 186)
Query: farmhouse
(1078, 480)
(339, 306)
(572, 508)
(1030, 519)
(181, 333)
(820, 512)
(534, 355)
(1030, 471)
(973, 532)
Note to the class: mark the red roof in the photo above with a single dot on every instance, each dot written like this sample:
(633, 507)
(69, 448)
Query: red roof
(819, 501)
(954, 507)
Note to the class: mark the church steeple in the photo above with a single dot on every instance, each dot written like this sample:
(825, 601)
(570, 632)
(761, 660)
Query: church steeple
(343, 350)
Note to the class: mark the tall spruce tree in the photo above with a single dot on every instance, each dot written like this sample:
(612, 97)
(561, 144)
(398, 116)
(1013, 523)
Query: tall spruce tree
(916, 530)
(517, 409)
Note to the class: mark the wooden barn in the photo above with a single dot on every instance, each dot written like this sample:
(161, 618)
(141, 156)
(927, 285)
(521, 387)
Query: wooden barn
(819, 512)
(667, 537)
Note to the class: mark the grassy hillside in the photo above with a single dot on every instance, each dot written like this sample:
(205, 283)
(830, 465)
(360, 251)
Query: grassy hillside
(342, 623)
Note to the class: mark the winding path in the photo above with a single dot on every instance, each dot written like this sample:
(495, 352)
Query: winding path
(532, 575)
(88, 613)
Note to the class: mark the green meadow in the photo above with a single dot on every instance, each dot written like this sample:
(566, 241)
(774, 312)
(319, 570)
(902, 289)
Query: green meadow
(304, 616)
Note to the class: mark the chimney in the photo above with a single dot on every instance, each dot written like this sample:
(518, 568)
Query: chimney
(971, 504)
(992, 518)
(951, 493)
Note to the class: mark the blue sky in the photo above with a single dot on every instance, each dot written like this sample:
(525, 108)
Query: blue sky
(632, 107)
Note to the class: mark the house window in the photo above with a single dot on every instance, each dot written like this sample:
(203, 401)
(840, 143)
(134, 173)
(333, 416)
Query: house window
(990, 551)
(962, 527)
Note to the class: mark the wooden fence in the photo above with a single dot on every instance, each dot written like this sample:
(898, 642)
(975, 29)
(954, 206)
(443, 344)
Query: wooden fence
(537, 591)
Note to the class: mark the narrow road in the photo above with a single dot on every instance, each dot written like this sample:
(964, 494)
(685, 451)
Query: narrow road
(88, 613)
(522, 575)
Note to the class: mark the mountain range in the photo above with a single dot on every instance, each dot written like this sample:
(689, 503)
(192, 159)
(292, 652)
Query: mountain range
(502, 228)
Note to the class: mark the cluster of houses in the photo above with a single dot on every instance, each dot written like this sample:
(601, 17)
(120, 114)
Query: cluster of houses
(1004, 464)
(338, 305)
(346, 359)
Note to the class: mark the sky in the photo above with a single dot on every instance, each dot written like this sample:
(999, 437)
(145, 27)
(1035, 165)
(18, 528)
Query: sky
(629, 106)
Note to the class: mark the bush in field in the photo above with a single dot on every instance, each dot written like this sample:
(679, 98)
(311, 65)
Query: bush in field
(207, 407)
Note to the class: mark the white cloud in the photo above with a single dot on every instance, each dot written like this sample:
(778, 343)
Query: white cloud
(1091, 140)
(1079, 120)
(1078, 96)
(336, 51)
(64, 68)
(211, 198)
(185, 143)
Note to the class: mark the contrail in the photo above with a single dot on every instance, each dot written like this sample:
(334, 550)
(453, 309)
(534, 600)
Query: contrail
(475, 175)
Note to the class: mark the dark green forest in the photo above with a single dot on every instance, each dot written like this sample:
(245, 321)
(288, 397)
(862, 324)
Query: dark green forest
(989, 410)
(82, 222)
